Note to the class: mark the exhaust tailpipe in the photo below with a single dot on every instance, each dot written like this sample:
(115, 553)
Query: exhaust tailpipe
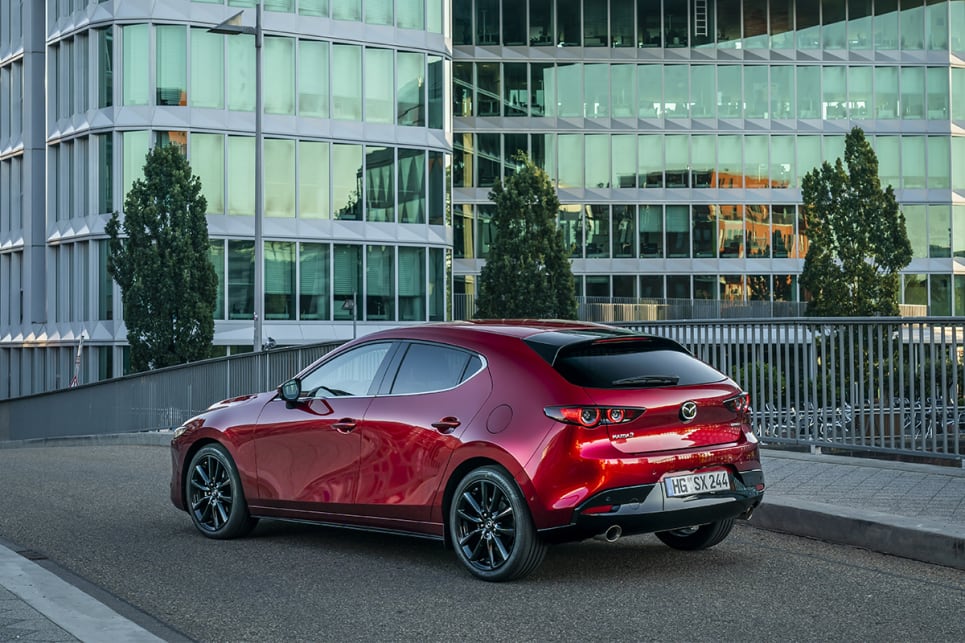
(612, 533)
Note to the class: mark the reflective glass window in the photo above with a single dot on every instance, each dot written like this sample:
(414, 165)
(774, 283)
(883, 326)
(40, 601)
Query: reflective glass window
(622, 90)
(379, 183)
(440, 195)
(756, 94)
(650, 89)
(957, 30)
(313, 170)
(285, 6)
(678, 232)
(595, 24)
(958, 233)
(597, 164)
(379, 85)
(676, 100)
(241, 175)
(598, 286)
(624, 231)
(571, 161)
(516, 96)
(568, 23)
(136, 146)
(730, 233)
(912, 93)
(347, 188)
(915, 289)
(729, 23)
(378, 12)
(541, 23)
(650, 218)
(936, 81)
(886, 24)
(958, 163)
(729, 164)
(487, 22)
(347, 10)
(860, 92)
(730, 98)
(412, 186)
(808, 24)
(756, 165)
(487, 89)
(913, 161)
(833, 148)
(782, 231)
(833, 30)
(570, 90)
(488, 159)
(462, 23)
(782, 92)
(703, 91)
(437, 283)
(279, 280)
(677, 160)
(313, 280)
(624, 160)
(241, 73)
(207, 161)
(347, 83)
(597, 90)
(888, 150)
(939, 156)
(379, 283)
(412, 284)
(136, 65)
(280, 82)
(543, 87)
(939, 231)
(649, 33)
(651, 286)
(916, 221)
(705, 229)
(912, 25)
(808, 91)
(485, 232)
(313, 7)
(241, 279)
(171, 56)
(347, 281)
(650, 159)
(621, 23)
(279, 177)
(939, 300)
(514, 23)
(703, 160)
(313, 78)
(859, 24)
(207, 69)
(808, 156)
(675, 24)
(598, 231)
(571, 224)
(886, 93)
(216, 255)
(105, 67)
(437, 88)
(757, 221)
(782, 161)
(105, 173)
(835, 95)
(755, 24)
(958, 93)
(463, 246)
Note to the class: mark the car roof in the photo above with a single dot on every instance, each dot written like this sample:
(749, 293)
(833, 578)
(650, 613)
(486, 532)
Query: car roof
(519, 328)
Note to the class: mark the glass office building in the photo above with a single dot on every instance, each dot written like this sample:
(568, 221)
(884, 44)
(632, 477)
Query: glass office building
(677, 132)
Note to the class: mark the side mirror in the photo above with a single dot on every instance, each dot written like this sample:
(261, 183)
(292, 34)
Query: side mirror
(291, 389)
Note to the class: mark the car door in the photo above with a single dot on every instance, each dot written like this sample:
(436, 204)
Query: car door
(307, 451)
(411, 431)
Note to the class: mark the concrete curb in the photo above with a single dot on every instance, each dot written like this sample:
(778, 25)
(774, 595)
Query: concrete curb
(145, 438)
(925, 540)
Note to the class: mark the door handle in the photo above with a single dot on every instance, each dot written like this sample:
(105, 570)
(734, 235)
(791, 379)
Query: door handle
(447, 424)
(345, 425)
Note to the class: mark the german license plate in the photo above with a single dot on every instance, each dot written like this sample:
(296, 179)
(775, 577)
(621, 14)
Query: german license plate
(689, 485)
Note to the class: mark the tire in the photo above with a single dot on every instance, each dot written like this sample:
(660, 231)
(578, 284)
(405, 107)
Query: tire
(215, 499)
(491, 528)
(697, 537)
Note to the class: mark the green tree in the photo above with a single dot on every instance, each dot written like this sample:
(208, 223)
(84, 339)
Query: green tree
(168, 285)
(858, 240)
(527, 273)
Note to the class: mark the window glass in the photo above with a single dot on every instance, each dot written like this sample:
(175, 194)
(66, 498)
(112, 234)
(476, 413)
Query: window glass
(434, 15)
(597, 90)
(280, 177)
(347, 10)
(958, 232)
(782, 24)
(939, 231)
(241, 73)
(913, 161)
(462, 23)
(886, 24)
(650, 88)
(136, 145)
(541, 23)
(650, 158)
(313, 280)
(105, 173)
(488, 159)
(912, 26)
(595, 24)
(624, 157)
(487, 22)
(705, 228)
(313, 78)
(916, 289)
(756, 163)
(241, 175)
(675, 24)
(241, 279)
(729, 96)
(957, 30)
(782, 161)
(412, 186)
(729, 166)
(678, 160)
(570, 88)
(437, 88)
(886, 92)
(808, 24)
(623, 90)
(514, 23)
(782, 231)
(703, 162)
(280, 82)
(756, 94)
(937, 84)
(676, 99)
(379, 283)
(279, 280)
(651, 287)
(728, 23)
(571, 223)
(207, 69)
(172, 64)
(313, 170)
(597, 161)
(216, 256)
(347, 281)
(568, 23)
(485, 232)
(757, 222)
(887, 148)
(105, 67)
(571, 161)
(650, 218)
(860, 93)
(412, 284)
(912, 93)
(136, 64)
(346, 181)
(379, 86)
(105, 284)
(939, 301)
(285, 6)
(703, 91)
(347, 84)
(917, 225)
(439, 170)
(598, 231)
(833, 31)
(313, 7)
(808, 91)
(379, 183)
(958, 163)
(378, 12)
(835, 101)
(621, 23)
(939, 170)
(207, 161)
(678, 233)
(755, 24)
(516, 95)
(412, 102)
(624, 231)
(352, 373)
(428, 367)
(649, 33)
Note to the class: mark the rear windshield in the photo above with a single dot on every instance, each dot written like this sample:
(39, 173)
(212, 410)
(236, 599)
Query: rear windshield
(642, 363)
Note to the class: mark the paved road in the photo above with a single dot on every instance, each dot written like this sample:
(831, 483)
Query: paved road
(103, 513)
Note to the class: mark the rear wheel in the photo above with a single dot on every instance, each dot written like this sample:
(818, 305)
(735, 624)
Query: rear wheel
(216, 501)
(698, 536)
(491, 528)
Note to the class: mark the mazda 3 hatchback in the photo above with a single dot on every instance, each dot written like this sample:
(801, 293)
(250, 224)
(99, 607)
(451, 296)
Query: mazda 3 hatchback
(496, 438)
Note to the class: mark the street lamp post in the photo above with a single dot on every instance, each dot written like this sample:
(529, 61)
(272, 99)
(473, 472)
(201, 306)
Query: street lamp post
(232, 27)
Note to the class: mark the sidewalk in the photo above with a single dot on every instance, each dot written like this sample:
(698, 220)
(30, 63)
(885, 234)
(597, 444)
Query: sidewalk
(910, 510)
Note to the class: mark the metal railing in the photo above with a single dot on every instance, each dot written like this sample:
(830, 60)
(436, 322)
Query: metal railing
(152, 400)
(874, 385)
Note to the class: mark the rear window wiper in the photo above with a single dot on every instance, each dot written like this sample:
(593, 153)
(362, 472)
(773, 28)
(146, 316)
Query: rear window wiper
(647, 380)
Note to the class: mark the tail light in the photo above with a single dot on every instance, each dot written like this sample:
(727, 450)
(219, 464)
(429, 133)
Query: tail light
(592, 416)
(740, 405)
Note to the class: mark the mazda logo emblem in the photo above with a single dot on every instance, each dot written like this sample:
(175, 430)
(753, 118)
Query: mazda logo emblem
(688, 411)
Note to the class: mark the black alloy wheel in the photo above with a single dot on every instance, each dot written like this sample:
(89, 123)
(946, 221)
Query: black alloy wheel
(216, 501)
(697, 537)
(491, 528)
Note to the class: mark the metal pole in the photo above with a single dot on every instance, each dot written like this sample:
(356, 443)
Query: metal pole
(259, 190)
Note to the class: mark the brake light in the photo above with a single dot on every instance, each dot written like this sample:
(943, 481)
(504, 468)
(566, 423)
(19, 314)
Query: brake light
(592, 416)
(739, 404)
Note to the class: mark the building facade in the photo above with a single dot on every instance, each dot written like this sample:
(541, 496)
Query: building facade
(677, 132)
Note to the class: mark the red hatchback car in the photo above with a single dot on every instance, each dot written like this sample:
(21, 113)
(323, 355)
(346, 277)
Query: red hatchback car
(497, 438)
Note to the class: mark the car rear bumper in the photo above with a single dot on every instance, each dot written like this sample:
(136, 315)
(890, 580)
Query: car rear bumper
(646, 509)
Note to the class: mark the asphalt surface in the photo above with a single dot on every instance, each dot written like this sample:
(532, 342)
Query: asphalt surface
(908, 510)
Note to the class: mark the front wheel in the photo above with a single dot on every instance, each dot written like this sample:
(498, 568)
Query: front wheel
(697, 537)
(491, 528)
(216, 501)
